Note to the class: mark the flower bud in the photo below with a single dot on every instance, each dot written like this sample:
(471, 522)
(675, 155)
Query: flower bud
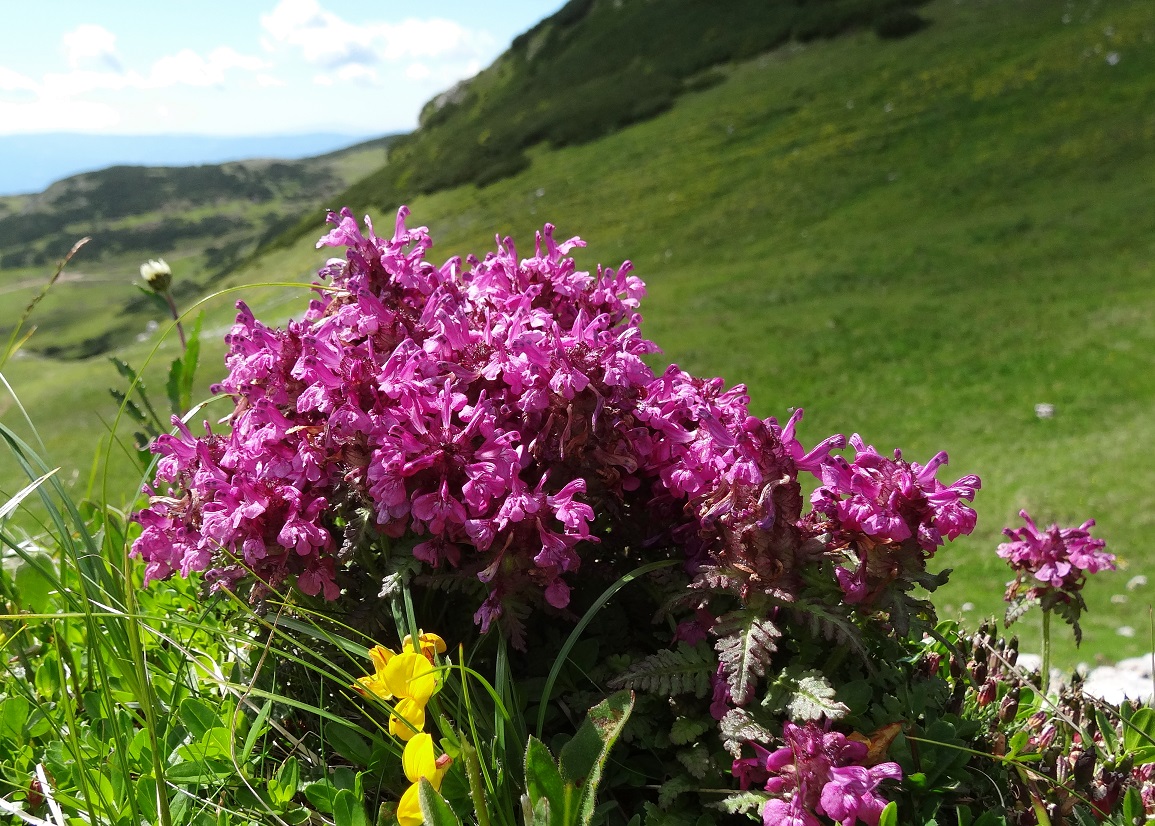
(157, 274)
(987, 693)
(1009, 706)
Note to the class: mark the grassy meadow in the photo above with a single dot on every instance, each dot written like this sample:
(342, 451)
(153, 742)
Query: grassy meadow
(917, 240)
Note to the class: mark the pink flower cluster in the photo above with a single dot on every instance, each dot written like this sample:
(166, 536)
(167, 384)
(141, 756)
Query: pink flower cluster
(493, 412)
(818, 771)
(1054, 561)
(876, 505)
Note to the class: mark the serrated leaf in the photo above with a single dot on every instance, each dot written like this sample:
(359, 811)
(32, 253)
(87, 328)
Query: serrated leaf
(741, 803)
(814, 698)
(696, 761)
(685, 669)
(739, 727)
(744, 651)
(688, 729)
(669, 791)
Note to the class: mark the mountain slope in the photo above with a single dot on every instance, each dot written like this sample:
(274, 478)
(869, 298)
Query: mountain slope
(590, 69)
(206, 219)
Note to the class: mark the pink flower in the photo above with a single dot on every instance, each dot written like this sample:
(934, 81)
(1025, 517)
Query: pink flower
(1055, 561)
(818, 771)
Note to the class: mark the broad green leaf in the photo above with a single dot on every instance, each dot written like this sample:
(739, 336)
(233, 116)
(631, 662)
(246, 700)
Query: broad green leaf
(1139, 731)
(321, 794)
(200, 772)
(13, 713)
(348, 810)
(583, 758)
(198, 716)
(889, 816)
(348, 744)
(543, 780)
(434, 808)
(284, 784)
(1133, 809)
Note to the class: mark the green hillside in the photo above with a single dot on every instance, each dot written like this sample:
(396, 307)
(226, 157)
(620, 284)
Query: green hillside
(205, 219)
(916, 239)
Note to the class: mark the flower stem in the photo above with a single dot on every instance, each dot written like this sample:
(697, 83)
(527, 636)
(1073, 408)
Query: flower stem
(176, 317)
(1045, 676)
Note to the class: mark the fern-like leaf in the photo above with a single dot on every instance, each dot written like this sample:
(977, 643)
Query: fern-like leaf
(814, 698)
(738, 727)
(688, 729)
(682, 670)
(743, 803)
(828, 623)
(746, 644)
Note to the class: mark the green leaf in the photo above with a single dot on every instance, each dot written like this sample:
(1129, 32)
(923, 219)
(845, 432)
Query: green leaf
(583, 758)
(814, 698)
(543, 781)
(283, 786)
(889, 816)
(256, 730)
(348, 810)
(747, 643)
(1133, 809)
(1139, 731)
(13, 712)
(322, 795)
(349, 744)
(198, 716)
(434, 807)
(688, 729)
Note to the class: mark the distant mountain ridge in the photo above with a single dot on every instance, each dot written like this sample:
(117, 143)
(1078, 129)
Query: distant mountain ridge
(30, 163)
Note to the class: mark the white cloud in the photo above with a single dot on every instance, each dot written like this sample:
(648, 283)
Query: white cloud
(358, 73)
(11, 81)
(268, 81)
(417, 71)
(91, 47)
(327, 40)
(53, 116)
(188, 68)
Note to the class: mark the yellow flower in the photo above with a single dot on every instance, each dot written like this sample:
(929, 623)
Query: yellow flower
(430, 644)
(409, 678)
(419, 760)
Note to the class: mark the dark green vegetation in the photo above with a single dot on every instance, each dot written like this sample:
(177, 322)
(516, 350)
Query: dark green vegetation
(915, 239)
(207, 218)
(589, 70)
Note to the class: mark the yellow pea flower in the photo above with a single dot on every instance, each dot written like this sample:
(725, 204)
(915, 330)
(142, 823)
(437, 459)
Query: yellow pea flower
(430, 644)
(409, 678)
(375, 682)
(419, 760)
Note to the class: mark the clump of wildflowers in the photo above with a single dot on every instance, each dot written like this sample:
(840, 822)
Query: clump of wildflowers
(488, 413)
(817, 771)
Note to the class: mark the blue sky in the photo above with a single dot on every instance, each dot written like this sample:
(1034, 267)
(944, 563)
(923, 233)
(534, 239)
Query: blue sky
(245, 67)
